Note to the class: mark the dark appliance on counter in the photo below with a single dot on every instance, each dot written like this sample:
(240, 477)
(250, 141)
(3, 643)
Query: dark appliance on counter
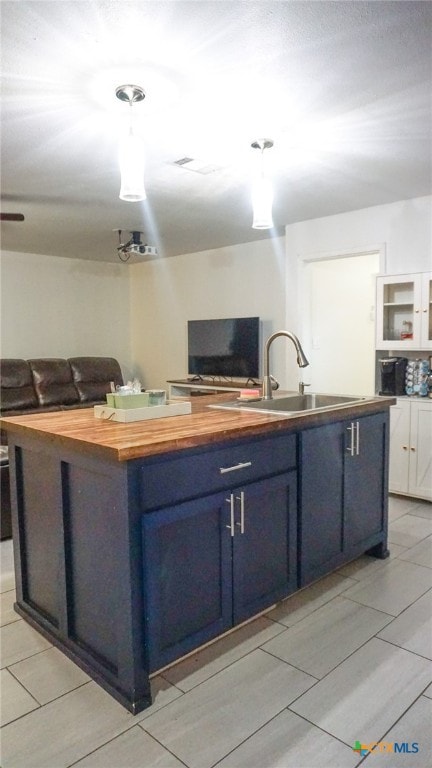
(392, 371)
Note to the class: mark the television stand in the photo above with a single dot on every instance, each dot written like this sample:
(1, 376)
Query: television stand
(195, 385)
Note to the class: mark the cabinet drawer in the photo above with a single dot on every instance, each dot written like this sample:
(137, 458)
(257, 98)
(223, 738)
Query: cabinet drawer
(170, 479)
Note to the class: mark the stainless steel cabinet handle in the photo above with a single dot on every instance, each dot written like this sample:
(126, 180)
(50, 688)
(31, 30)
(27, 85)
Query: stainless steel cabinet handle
(242, 510)
(350, 447)
(354, 447)
(241, 465)
(231, 503)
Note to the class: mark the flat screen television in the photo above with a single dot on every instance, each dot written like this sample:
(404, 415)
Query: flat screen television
(226, 347)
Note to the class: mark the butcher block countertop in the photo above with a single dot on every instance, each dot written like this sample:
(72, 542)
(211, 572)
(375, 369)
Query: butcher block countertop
(80, 430)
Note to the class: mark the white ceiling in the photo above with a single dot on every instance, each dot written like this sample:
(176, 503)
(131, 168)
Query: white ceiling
(343, 89)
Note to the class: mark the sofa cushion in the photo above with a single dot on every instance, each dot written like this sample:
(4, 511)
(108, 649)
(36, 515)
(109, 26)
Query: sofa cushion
(92, 377)
(17, 390)
(52, 378)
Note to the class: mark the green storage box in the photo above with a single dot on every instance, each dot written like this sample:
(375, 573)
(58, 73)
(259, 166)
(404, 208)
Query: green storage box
(128, 401)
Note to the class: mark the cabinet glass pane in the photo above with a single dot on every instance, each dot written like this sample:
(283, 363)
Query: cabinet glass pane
(399, 293)
(398, 323)
(398, 311)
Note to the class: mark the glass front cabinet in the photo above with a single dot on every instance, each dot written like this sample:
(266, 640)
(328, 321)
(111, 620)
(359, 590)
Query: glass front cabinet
(404, 312)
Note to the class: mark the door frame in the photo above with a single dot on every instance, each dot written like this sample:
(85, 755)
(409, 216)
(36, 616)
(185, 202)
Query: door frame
(303, 279)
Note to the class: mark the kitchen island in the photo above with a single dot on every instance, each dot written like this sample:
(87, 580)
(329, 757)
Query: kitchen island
(137, 543)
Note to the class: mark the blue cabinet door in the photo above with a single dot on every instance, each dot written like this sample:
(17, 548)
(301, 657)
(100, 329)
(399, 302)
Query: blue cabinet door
(365, 481)
(321, 500)
(213, 562)
(343, 494)
(187, 577)
(264, 544)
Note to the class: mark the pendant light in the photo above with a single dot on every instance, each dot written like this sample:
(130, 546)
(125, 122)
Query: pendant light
(131, 150)
(262, 190)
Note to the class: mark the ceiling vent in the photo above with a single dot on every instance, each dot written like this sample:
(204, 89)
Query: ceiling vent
(199, 166)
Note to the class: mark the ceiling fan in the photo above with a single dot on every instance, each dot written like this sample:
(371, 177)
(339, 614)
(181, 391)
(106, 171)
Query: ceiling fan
(11, 217)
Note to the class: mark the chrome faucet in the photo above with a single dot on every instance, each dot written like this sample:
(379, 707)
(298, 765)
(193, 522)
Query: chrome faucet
(302, 360)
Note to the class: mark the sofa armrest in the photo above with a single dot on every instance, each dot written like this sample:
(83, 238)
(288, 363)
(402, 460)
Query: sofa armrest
(16, 381)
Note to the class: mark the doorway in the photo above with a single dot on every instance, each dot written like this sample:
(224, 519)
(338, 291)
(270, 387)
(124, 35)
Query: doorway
(339, 330)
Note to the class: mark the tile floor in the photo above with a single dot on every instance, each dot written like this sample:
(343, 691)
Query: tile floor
(347, 659)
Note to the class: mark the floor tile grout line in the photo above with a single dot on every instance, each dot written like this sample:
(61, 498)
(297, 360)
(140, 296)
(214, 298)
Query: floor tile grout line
(263, 725)
(429, 589)
(117, 736)
(395, 616)
(396, 721)
(330, 599)
(121, 730)
(373, 637)
(31, 656)
(46, 703)
(285, 628)
(416, 543)
(412, 502)
(219, 671)
(23, 686)
(299, 669)
(319, 727)
(411, 704)
(377, 610)
(12, 621)
(402, 648)
(342, 596)
(323, 605)
(163, 745)
(354, 577)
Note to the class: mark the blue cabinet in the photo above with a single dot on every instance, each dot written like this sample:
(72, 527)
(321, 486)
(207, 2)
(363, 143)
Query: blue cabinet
(212, 562)
(365, 481)
(343, 494)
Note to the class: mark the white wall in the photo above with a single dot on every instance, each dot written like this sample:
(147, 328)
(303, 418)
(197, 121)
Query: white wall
(405, 228)
(52, 306)
(401, 230)
(56, 307)
(243, 280)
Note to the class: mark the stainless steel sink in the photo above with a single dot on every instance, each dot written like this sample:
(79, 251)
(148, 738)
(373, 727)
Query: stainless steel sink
(292, 403)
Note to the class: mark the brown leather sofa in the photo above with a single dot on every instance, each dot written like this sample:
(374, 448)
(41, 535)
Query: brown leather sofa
(49, 384)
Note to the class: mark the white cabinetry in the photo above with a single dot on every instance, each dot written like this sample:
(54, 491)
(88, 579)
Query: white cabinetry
(186, 387)
(410, 470)
(404, 312)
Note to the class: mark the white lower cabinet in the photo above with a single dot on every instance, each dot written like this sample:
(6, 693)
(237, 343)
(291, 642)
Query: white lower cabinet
(410, 470)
